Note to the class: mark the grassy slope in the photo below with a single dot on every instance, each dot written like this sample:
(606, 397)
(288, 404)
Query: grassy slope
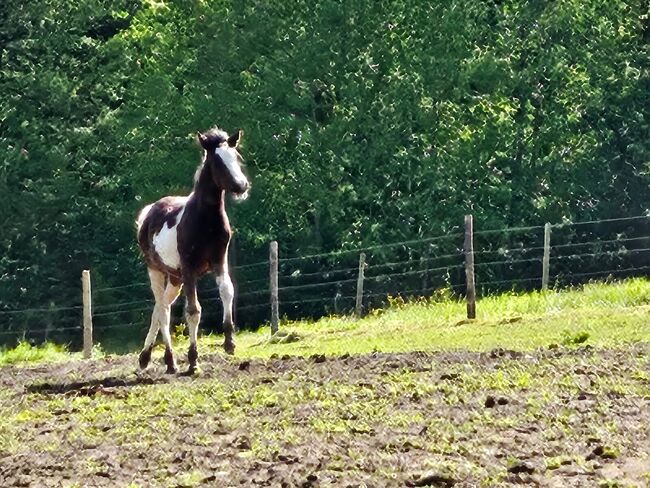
(597, 314)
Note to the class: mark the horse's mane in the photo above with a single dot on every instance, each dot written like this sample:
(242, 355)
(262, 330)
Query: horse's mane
(214, 136)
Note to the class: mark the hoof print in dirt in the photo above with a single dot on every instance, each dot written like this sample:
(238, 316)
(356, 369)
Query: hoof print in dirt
(503, 353)
(491, 402)
(288, 459)
(449, 376)
(242, 443)
(438, 480)
(312, 480)
(602, 452)
(244, 366)
(521, 468)
(319, 358)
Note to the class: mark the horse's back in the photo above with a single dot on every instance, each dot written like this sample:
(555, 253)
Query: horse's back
(157, 232)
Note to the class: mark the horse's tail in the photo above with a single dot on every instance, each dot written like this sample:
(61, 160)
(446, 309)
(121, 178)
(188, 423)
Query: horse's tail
(142, 216)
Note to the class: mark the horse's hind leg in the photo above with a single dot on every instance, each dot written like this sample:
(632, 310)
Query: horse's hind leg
(164, 295)
(193, 317)
(157, 280)
(227, 293)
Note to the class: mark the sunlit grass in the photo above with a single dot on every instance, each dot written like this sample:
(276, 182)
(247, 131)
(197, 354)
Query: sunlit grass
(25, 352)
(597, 314)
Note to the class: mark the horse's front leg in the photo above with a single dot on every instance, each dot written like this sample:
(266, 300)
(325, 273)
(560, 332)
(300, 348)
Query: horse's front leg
(227, 293)
(193, 317)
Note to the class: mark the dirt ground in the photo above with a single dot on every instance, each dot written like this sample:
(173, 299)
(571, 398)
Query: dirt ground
(556, 417)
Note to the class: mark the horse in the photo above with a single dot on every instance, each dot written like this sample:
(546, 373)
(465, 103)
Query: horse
(184, 237)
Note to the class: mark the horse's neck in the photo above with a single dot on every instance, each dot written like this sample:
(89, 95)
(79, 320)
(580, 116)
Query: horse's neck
(209, 196)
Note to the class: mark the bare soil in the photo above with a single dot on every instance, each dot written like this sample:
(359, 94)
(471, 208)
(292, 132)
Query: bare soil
(557, 418)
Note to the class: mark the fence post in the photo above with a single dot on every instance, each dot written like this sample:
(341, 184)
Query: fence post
(337, 299)
(362, 265)
(546, 261)
(275, 309)
(469, 267)
(424, 259)
(88, 314)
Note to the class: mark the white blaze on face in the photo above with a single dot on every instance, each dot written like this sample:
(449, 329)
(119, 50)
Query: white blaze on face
(165, 243)
(229, 157)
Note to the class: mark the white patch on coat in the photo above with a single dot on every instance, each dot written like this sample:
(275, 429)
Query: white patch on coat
(142, 216)
(165, 242)
(229, 157)
(227, 293)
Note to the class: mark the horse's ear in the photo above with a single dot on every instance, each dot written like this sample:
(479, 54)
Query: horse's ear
(233, 140)
(201, 139)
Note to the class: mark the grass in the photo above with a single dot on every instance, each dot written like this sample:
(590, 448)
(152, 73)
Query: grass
(597, 314)
(25, 352)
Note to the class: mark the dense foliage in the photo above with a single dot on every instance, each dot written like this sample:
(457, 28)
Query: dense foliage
(364, 122)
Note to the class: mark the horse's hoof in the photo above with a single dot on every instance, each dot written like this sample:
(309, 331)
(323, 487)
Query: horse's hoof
(170, 362)
(193, 370)
(144, 359)
(229, 348)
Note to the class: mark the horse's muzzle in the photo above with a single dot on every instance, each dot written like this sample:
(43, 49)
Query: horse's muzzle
(240, 190)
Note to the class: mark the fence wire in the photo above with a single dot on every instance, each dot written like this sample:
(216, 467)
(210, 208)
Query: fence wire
(315, 280)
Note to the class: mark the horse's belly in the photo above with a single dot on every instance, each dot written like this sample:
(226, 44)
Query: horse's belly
(165, 243)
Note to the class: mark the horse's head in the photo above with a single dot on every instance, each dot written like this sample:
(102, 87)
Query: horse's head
(224, 161)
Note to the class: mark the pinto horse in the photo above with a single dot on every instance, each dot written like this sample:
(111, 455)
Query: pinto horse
(185, 237)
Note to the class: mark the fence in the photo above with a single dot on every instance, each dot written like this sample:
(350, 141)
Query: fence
(465, 262)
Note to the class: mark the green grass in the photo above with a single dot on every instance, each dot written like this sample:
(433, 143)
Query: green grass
(597, 314)
(24, 352)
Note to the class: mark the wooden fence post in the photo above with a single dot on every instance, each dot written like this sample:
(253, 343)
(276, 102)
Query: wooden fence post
(337, 299)
(546, 261)
(275, 308)
(88, 314)
(424, 260)
(362, 265)
(469, 267)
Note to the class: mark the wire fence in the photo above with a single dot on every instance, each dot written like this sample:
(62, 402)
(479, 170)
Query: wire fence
(315, 285)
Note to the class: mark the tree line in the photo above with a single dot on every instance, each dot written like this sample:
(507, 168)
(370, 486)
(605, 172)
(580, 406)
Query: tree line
(364, 122)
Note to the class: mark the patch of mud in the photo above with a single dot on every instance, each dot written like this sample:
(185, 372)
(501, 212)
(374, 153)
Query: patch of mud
(456, 419)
